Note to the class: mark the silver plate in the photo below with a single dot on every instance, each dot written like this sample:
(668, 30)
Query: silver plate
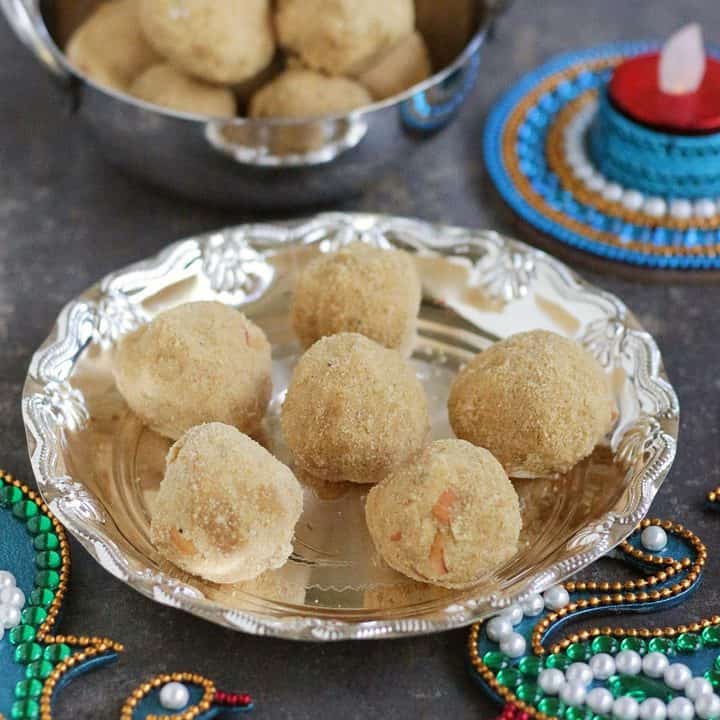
(98, 468)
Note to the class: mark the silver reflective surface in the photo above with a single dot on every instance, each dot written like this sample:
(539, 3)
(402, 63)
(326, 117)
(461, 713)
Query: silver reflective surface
(98, 468)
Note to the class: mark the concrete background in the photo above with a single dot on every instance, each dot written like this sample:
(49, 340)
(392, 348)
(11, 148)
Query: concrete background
(67, 218)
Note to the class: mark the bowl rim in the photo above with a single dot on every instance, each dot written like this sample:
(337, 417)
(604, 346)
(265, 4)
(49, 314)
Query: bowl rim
(473, 45)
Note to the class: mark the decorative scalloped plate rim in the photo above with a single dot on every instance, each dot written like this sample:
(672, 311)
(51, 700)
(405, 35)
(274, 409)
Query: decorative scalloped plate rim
(505, 270)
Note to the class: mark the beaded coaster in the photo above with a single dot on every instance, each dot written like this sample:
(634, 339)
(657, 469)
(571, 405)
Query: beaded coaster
(36, 663)
(523, 660)
(539, 152)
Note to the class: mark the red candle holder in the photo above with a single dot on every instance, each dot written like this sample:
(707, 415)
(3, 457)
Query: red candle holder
(635, 91)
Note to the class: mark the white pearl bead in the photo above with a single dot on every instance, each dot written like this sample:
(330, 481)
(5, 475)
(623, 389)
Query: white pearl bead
(12, 596)
(680, 708)
(632, 199)
(556, 597)
(612, 192)
(7, 579)
(655, 207)
(551, 681)
(628, 662)
(696, 687)
(596, 183)
(653, 709)
(174, 696)
(583, 170)
(514, 614)
(573, 693)
(707, 706)
(2, 631)
(579, 672)
(704, 208)
(599, 700)
(626, 708)
(499, 628)
(680, 209)
(653, 538)
(9, 616)
(532, 605)
(513, 645)
(602, 666)
(677, 676)
(655, 664)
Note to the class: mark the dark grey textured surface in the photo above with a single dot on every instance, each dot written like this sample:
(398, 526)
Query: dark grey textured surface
(67, 218)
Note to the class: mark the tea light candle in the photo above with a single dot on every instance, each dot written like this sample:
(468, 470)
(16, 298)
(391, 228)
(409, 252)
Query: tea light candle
(676, 90)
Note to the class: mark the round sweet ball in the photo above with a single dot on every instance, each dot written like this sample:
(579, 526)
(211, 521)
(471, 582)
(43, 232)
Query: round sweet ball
(362, 289)
(448, 517)
(302, 93)
(340, 36)
(196, 363)
(538, 401)
(226, 509)
(109, 47)
(354, 410)
(165, 86)
(220, 41)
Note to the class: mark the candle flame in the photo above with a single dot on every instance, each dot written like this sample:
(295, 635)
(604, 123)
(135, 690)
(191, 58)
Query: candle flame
(682, 61)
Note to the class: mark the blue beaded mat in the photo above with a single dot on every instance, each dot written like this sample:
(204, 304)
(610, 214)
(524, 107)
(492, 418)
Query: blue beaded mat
(524, 156)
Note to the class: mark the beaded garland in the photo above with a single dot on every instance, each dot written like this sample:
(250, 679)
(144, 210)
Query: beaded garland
(45, 661)
(604, 671)
(205, 700)
(538, 154)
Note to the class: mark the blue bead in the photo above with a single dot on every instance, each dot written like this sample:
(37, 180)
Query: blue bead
(660, 236)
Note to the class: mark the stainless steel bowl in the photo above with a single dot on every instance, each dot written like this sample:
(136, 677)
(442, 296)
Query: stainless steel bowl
(236, 162)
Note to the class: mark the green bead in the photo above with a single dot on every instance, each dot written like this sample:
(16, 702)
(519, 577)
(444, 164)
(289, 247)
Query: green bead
(509, 677)
(28, 689)
(25, 510)
(46, 541)
(714, 677)
(551, 706)
(39, 524)
(39, 670)
(576, 713)
(638, 687)
(25, 710)
(605, 644)
(34, 616)
(578, 652)
(41, 597)
(530, 666)
(21, 634)
(688, 643)
(47, 579)
(716, 664)
(662, 645)
(634, 643)
(711, 636)
(496, 660)
(529, 692)
(56, 653)
(558, 661)
(27, 652)
(48, 559)
(10, 495)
